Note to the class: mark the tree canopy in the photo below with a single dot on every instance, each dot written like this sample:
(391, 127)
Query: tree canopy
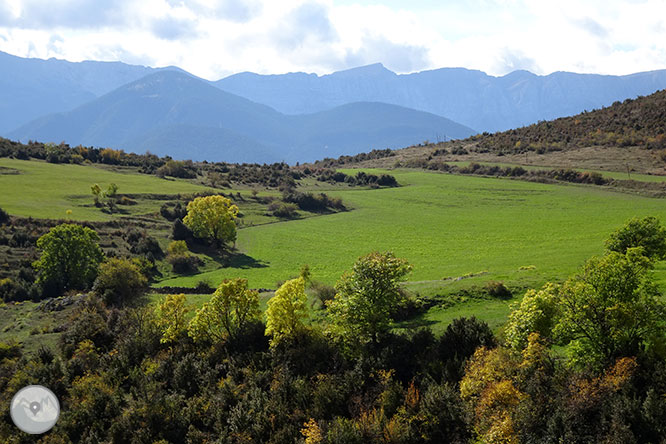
(231, 308)
(611, 310)
(646, 232)
(70, 256)
(367, 296)
(286, 311)
(212, 218)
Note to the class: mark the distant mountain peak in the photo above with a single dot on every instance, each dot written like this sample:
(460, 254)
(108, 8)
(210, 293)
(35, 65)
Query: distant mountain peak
(373, 70)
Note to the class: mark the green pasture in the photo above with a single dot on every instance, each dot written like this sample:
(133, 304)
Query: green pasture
(39, 189)
(447, 226)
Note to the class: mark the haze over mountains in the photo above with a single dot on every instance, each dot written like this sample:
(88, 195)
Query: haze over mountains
(173, 113)
(293, 117)
(472, 98)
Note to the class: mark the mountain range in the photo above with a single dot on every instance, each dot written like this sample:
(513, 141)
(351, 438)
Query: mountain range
(249, 117)
(173, 113)
(472, 98)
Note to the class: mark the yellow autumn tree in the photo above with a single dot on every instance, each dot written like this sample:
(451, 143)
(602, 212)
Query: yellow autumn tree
(212, 218)
(230, 309)
(172, 313)
(286, 311)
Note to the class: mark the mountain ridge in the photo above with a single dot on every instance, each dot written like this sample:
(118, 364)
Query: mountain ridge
(132, 117)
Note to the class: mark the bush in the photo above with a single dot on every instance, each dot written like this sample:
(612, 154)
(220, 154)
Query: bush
(184, 264)
(119, 281)
(148, 246)
(323, 292)
(283, 210)
(497, 289)
(180, 231)
(4, 217)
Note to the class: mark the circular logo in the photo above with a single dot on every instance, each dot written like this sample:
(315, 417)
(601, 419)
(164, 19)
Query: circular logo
(35, 409)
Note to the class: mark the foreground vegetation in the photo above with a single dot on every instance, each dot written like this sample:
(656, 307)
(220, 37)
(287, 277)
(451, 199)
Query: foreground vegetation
(147, 374)
(480, 316)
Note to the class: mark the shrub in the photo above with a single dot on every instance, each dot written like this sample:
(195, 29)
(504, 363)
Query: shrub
(184, 264)
(119, 281)
(180, 231)
(323, 292)
(4, 217)
(497, 289)
(283, 210)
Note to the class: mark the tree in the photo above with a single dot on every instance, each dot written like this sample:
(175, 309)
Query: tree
(119, 281)
(537, 313)
(172, 313)
(367, 296)
(232, 307)
(647, 233)
(212, 218)
(611, 310)
(97, 193)
(70, 257)
(286, 311)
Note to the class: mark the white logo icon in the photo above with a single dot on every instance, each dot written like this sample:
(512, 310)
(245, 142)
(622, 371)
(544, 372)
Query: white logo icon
(35, 409)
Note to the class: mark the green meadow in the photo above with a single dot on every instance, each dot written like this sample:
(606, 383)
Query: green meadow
(447, 226)
(45, 190)
(458, 232)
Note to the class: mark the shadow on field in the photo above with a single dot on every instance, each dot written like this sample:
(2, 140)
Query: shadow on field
(240, 260)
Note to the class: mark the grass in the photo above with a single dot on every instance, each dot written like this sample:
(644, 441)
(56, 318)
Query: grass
(47, 190)
(446, 226)
(458, 232)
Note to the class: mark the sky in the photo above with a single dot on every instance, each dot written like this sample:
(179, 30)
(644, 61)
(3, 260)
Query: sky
(216, 38)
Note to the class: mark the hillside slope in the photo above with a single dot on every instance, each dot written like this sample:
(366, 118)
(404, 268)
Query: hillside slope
(30, 88)
(626, 136)
(176, 114)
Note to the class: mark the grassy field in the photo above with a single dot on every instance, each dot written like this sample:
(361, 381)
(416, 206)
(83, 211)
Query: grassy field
(39, 189)
(446, 226)
(459, 232)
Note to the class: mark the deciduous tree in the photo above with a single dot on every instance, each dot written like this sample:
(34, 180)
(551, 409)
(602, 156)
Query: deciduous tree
(212, 218)
(231, 308)
(70, 256)
(286, 311)
(646, 232)
(611, 310)
(366, 296)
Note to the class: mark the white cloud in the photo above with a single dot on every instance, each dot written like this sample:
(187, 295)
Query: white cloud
(214, 38)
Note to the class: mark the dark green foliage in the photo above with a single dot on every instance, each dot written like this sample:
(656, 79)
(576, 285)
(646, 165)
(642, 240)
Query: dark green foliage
(180, 231)
(360, 179)
(647, 233)
(4, 217)
(184, 264)
(458, 343)
(498, 290)
(313, 202)
(177, 168)
(283, 210)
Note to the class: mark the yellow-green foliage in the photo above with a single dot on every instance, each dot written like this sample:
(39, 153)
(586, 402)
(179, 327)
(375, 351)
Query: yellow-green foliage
(212, 218)
(230, 309)
(286, 310)
(537, 312)
(172, 317)
(178, 248)
(367, 296)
